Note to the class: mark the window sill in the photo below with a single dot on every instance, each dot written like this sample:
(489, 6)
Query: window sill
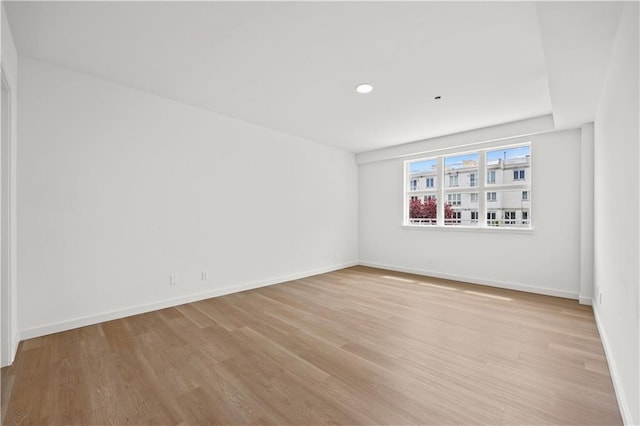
(459, 228)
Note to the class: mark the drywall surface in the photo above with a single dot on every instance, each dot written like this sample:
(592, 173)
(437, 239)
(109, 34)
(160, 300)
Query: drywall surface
(10, 70)
(545, 260)
(119, 189)
(616, 183)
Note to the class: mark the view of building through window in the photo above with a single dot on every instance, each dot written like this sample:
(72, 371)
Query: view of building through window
(498, 188)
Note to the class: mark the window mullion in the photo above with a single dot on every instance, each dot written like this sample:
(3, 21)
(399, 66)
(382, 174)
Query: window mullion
(482, 184)
(441, 200)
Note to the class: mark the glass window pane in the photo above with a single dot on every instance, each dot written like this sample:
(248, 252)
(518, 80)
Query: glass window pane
(461, 171)
(508, 165)
(461, 209)
(423, 210)
(422, 175)
(508, 209)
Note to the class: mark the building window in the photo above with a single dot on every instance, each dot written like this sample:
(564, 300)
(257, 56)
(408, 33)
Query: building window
(510, 217)
(491, 219)
(454, 218)
(449, 178)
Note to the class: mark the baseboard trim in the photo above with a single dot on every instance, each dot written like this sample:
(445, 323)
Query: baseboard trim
(140, 309)
(473, 280)
(585, 300)
(625, 411)
(15, 342)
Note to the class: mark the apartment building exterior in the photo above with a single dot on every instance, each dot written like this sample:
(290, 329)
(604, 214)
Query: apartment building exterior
(504, 207)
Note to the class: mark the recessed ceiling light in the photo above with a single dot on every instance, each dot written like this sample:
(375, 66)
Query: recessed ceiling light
(364, 88)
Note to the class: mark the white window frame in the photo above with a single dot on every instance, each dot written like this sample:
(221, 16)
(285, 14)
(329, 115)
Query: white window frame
(441, 189)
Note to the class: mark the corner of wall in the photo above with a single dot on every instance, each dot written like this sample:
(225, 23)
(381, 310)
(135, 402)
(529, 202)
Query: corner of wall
(586, 213)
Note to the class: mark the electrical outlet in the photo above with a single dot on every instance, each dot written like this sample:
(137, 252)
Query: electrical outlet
(204, 276)
(173, 280)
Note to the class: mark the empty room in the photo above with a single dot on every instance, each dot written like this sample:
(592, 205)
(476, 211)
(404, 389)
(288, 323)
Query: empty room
(301, 213)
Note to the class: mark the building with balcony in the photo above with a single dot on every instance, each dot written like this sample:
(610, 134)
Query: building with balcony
(504, 206)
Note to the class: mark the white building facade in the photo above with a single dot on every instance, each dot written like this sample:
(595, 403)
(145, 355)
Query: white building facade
(506, 192)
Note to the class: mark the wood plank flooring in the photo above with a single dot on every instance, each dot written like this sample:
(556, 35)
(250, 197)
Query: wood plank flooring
(356, 346)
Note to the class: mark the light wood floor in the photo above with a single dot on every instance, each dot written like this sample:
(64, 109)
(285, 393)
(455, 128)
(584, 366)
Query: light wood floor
(356, 346)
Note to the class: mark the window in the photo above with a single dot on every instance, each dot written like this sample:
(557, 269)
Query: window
(510, 217)
(459, 169)
(457, 182)
(455, 217)
(454, 199)
(491, 219)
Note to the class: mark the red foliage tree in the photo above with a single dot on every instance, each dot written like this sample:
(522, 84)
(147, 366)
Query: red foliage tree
(428, 209)
(415, 208)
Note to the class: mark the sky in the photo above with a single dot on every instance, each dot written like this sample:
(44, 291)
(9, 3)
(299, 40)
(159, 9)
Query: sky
(456, 161)
(509, 153)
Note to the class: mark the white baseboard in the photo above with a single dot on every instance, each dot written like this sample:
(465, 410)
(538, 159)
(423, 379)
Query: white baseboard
(473, 280)
(585, 300)
(625, 411)
(15, 341)
(140, 309)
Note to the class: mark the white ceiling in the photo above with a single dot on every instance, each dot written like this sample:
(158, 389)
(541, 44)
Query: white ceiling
(294, 66)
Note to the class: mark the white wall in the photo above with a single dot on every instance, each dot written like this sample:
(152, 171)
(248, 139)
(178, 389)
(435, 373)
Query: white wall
(616, 217)
(545, 260)
(118, 189)
(9, 60)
